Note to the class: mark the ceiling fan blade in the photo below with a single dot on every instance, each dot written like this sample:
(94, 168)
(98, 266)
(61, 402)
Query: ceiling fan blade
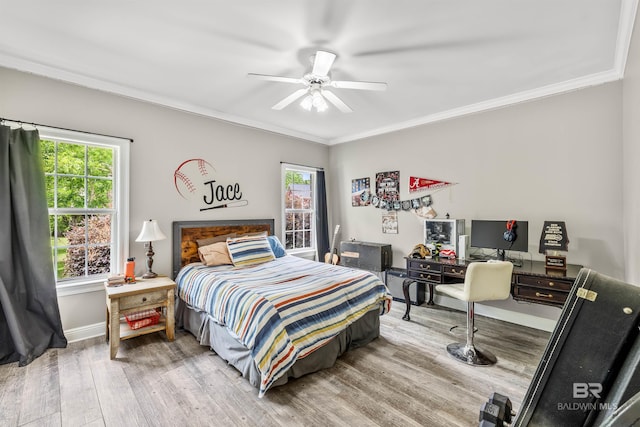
(275, 78)
(289, 99)
(340, 105)
(345, 84)
(323, 62)
(460, 43)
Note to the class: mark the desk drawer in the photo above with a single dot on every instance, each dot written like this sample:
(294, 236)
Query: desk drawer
(139, 300)
(546, 296)
(455, 270)
(425, 276)
(544, 282)
(421, 265)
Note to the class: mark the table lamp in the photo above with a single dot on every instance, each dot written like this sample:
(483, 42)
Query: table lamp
(150, 233)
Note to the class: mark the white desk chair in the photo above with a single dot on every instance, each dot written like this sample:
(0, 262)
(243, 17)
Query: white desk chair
(483, 281)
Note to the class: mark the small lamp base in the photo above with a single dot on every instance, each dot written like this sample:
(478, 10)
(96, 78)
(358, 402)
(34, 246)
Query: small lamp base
(149, 275)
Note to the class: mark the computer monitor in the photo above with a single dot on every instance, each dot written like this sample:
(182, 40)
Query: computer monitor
(491, 235)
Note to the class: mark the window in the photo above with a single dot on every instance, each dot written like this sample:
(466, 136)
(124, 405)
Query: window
(86, 183)
(299, 201)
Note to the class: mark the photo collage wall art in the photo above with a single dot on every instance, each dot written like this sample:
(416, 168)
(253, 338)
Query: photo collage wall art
(386, 196)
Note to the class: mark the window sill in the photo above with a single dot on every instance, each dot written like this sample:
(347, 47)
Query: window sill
(303, 253)
(80, 287)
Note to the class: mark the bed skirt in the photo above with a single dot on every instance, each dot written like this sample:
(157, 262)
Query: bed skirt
(217, 338)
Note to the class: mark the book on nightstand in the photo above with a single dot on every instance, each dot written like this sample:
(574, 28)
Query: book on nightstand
(116, 280)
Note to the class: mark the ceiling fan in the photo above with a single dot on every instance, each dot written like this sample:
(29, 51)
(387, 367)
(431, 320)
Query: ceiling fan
(316, 82)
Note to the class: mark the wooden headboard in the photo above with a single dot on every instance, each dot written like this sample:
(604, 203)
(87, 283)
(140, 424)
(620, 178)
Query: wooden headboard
(186, 234)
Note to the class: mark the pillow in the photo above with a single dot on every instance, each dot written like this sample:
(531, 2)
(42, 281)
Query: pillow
(214, 254)
(216, 239)
(255, 234)
(276, 246)
(249, 250)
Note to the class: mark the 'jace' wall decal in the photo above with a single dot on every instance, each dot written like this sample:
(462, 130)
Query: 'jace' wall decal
(193, 180)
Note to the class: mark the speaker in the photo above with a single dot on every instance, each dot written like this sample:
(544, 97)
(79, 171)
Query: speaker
(510, 235)
(463, 246)
(394, 277)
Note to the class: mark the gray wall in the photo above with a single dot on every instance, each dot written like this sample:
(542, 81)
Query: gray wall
(557, 158)
(163, 139)
(631, 155)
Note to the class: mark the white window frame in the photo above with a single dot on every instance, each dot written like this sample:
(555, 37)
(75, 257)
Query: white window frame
(120, 223)
(310, 252)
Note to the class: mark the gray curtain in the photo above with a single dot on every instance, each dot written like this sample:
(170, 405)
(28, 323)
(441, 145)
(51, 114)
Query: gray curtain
(322, 223)
(29, 315)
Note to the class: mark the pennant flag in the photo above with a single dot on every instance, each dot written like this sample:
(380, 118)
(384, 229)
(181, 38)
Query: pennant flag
(420, 184)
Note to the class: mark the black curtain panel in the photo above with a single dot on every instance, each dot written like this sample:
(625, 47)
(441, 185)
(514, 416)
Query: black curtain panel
(29, 314)
(322, 223)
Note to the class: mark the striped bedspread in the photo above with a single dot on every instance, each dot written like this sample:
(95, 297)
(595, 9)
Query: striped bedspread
(284, 309)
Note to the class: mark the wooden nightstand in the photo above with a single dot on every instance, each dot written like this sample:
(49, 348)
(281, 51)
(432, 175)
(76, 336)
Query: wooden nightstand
(130, 298)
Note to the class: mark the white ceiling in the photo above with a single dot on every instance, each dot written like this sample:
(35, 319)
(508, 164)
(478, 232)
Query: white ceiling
(440, 58)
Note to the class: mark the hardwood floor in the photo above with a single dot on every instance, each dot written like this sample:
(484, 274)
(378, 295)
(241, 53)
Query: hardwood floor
(404, 378)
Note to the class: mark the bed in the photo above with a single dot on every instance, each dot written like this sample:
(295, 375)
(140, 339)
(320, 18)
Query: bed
(277, 318)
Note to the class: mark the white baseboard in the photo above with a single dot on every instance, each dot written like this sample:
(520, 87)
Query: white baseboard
(85, 332)
(518, 318)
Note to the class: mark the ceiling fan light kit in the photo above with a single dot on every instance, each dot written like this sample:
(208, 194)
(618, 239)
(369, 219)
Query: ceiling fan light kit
(315, 95)
(314, 99)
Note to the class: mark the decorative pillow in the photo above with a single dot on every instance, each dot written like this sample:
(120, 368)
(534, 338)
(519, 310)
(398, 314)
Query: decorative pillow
(216, 239)
(276, 246)
(214, 254)
(255, 234)
(249, 250)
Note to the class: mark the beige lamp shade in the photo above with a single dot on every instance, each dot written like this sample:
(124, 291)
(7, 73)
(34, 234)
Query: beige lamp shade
(150, 232)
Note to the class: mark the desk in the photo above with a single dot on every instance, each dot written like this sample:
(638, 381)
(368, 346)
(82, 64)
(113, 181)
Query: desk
(531, 282)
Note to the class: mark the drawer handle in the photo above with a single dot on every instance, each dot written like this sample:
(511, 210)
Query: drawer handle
(551, 283)
(538, 294)
(426, 267)
(144, 299)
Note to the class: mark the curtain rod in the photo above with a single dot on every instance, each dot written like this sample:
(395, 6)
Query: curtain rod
(22, 122)
(304, 166)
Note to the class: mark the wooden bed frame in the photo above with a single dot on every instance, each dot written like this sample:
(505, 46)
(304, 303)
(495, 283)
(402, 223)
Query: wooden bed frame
(186, 234)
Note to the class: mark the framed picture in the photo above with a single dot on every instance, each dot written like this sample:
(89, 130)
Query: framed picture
(360, 192)
(390, 222)
(388, 185)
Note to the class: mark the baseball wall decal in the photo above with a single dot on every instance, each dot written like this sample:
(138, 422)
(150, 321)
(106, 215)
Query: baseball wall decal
(194, 180)
(189, 174)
